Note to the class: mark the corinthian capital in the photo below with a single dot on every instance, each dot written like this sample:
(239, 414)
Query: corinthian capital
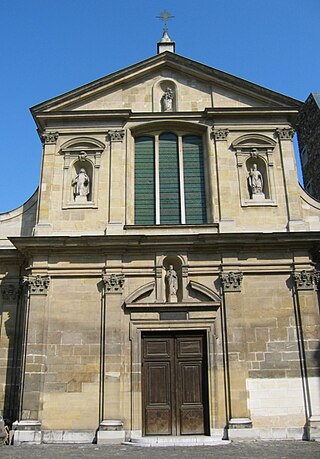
(49, 137)
(220, 134)
(231, 282)
(9, 291)
(306, 280)
(285, 133)
(37, 285)
(115, 135)
(113, 283)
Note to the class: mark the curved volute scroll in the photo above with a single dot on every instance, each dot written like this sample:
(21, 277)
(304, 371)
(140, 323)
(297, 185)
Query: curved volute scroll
(141, 292)
(206, 292)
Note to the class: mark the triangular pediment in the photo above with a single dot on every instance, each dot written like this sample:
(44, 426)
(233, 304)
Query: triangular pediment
(133, 88)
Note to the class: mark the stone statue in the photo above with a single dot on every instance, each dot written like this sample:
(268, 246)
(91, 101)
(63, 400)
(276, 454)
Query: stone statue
(255, 181)
(81, 186)
(167, 100)
(172, 280)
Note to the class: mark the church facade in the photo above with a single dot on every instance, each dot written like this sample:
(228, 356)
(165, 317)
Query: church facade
(162, 281)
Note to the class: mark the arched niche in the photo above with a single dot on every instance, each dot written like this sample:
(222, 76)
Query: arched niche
(162, 267)
(82, 181)
(173, 279)
(165, 89)
(257, 171)
(254, 155)
(81, 153)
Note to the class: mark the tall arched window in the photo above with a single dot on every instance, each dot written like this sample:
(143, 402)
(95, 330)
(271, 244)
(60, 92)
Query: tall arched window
(169, 180)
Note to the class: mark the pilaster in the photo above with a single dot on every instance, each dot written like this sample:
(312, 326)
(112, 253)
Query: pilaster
(49, 140)
(306, 310)
(28, 429)
(235, 354)
(292, 193)
(226, 182)
(111, 427)
(117, 183)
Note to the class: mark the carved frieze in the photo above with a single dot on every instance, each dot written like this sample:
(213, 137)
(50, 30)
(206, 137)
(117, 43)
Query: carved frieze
(285, 133)
(37, 285)
(115, 135)
(49, 137)
(220, 134)
(9, 291)
(306, 280)
(231, 281)
(113, 283)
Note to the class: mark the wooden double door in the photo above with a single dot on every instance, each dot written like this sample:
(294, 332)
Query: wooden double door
(175, 384)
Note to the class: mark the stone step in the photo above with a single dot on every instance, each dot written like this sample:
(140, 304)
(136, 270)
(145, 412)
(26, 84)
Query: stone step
(192, 440)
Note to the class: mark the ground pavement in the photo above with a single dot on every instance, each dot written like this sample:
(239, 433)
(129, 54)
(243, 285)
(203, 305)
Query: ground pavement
(235, 450)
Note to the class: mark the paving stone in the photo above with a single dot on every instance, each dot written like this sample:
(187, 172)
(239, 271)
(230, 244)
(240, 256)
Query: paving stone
(234, 450)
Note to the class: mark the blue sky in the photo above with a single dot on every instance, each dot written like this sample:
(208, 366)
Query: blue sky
(49, 47)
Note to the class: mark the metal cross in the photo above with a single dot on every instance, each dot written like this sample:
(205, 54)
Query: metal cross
(164, 16)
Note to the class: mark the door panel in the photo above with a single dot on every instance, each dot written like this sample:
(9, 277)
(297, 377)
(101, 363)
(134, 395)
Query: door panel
(174, 384)
(190, 402)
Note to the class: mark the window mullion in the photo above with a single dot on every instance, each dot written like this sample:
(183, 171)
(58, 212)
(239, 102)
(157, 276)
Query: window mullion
(181, 177)
(157, 178)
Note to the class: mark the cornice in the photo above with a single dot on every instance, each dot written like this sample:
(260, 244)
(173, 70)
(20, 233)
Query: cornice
(122, 116)
(115, 243)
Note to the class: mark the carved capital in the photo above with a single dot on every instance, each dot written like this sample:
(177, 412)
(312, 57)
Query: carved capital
(184, 271)
(220, 134)
(231, 282)
(37, 285)
(9, 291)
(285, 133)
(113, 283)
(306, 280)
(49, 137)
(115, 135)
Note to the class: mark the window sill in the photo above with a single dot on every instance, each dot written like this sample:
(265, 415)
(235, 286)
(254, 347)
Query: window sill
(177, 229)
(262, 203)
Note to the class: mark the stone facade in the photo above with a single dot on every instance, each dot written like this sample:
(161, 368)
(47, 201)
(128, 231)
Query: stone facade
(83, 286)
(308, 129)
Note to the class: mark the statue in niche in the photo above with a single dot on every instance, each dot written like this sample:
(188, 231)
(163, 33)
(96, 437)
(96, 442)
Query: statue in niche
(81, 186)
(255, 180)
(167, 100)
(172, 284)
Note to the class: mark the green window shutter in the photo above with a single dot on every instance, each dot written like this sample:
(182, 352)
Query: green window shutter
(194, 186)
(144, 181)
(169, 179)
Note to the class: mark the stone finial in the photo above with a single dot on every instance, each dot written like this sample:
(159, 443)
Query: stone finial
(220, 134)
(49, 137)
(115, 135)
(285, 133)
(165, 44)
(37, 285)
(306, 280)
(9, 291)
(113, 283)
(231, 282)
